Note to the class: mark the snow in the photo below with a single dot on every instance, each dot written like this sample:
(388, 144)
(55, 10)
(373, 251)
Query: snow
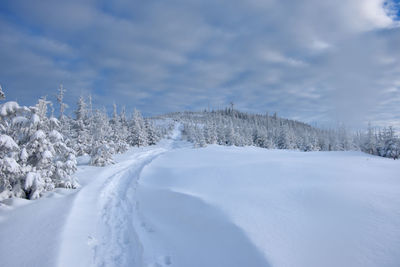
(10, 165)
(19, 120)
(6, 142)
(83, 160)
(293, 208)
(38, 135)
(9, 108)
(47, 154)
(54, 121)
(171, 205)
(55, 136)
(23, 155)
(35, 119)
(31, 179)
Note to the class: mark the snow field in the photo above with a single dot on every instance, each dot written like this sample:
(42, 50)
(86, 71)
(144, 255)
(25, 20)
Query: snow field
(171, 205)
(229, 206)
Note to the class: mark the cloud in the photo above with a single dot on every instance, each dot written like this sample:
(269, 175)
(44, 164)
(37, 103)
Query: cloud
(309, 60)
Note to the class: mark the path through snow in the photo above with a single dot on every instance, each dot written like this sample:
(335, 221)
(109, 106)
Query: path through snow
(102, 225)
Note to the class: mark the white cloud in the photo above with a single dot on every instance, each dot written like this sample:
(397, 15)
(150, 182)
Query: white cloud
(300, 58)
(375, 14)
(276, 57)
(319, 45)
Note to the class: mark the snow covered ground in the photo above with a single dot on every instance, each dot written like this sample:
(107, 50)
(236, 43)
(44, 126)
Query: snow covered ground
(171, 205)
(228, 206)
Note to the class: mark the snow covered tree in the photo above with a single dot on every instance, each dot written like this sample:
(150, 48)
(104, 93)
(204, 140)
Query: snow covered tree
(188, 132)
(39, 159)
(81, 110)
(2, 94)
(199, 140)
(40, 155)
(123, 131)
(10, 170)
(52, 161)
(137, 132)
(60, 100)
(101, 156)
(81, 138)
(230, 135)
(103, 145)
(390, 148)
(210, 133)
(370, 142)
(64, 161)
(118, 132)
(286, 138)
(261, 139)
(152, 136)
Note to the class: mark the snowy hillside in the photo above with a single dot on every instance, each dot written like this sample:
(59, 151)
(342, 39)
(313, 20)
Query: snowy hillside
(172, 205)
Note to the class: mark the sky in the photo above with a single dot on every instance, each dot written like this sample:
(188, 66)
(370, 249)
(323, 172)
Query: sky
(316, 61)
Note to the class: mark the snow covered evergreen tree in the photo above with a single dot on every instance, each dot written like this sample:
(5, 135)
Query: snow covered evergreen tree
(64, 159)
(60, 100)
(101, 155)
(390, 148)
(81, 137)
(103, 145)
(37, 160)
(10, 170)
(152, 136)
(118, 132)
(370, 142)
(2, 94)
(137, 132)
(210, 132)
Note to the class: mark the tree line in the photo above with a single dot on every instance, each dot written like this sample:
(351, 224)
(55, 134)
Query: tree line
(232, 127)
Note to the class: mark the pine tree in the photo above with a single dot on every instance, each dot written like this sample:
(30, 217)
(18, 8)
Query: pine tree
(101, 156)
(285, 138)
(64, 160)
(41, 153)
(2, 94)
(118, 132)
(10, 170)
(391, 147)
(60, 100)
(82, 139)
(81, 110)
(370, 143)
(123, 132)
(199, 138)
(210, 133)
(137, 133)
(103, 144)
(151, 133)
(230, 135)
